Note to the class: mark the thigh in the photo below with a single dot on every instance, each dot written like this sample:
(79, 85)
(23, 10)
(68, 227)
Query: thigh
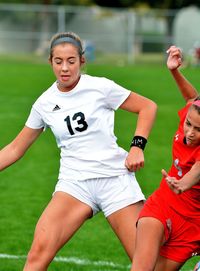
(59, 221)
(183, 241)
(165, 264)
(150, 236)
(123, 223)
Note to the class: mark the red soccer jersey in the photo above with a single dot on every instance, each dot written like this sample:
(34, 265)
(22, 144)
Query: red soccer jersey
(184, 157)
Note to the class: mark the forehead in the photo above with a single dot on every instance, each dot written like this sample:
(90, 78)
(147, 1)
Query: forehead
(193, 117)
(65, 49)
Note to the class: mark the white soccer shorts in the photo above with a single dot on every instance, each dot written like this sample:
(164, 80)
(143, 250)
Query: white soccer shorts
(104, 194)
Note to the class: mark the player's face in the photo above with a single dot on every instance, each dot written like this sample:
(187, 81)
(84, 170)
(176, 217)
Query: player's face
(66, 64)
(192, 128)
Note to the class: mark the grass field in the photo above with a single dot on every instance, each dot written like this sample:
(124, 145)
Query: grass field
(26, 187)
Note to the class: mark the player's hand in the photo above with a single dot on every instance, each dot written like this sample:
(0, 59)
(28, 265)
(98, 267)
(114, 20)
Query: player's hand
(135, 159)
(174, 60)
(174, 184)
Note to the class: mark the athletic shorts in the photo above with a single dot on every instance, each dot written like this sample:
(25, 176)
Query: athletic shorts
(104, 194)
(182, 237)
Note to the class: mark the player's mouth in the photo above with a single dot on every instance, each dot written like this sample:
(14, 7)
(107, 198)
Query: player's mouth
(190, 141)
(64, 77)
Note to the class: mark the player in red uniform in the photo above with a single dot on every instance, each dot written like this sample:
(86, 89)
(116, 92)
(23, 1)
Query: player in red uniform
(168, 229)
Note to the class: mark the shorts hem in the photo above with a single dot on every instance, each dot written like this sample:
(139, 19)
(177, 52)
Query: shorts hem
(124, 205)
(166, 230)
(80, 199)
(178, 260)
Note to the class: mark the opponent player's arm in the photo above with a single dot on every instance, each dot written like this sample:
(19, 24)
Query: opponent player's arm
(174, 61)
(187, 90)
(17, 148)
(191, 178)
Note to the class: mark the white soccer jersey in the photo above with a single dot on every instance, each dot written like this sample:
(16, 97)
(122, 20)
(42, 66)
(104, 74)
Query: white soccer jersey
(82, 121)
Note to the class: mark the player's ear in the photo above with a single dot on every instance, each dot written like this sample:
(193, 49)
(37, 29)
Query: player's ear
(82, 60)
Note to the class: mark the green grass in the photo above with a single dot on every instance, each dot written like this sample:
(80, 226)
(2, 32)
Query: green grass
(26, 187)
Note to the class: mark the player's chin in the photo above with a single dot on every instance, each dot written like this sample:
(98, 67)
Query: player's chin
(192, 143)
(64, 82)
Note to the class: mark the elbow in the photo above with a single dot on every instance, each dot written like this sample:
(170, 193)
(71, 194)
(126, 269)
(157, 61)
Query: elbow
(152, 110)
(153, 107)
(18, 154)
(15, 152)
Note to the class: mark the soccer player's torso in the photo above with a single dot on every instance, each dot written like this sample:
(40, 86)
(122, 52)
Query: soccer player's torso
(184, 157)
(82, 121)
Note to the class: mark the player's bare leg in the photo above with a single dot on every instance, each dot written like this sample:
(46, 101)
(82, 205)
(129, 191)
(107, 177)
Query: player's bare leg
(123, 223)
(164, 264)
(149, 238)
(59, 221)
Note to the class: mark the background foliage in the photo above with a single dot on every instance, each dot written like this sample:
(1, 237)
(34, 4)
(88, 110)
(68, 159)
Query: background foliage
(166, 4)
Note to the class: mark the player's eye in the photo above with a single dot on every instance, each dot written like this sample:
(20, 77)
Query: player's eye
(71, 60)
(198, 129)
(188, 123)
(58, 60)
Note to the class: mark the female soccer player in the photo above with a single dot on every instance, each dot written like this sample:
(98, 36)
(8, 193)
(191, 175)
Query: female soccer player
(168, 229)
(95, 173)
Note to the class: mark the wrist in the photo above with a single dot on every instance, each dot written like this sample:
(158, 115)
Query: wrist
(139, 141)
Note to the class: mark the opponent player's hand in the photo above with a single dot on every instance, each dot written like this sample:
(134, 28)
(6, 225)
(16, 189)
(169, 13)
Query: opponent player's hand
(175, 185)
(135, 159)
(174, 57)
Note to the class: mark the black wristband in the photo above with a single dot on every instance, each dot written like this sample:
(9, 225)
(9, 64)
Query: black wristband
(139, 141)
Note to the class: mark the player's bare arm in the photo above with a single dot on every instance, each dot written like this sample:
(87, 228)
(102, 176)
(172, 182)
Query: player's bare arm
(174, 61)
(17, 148)
(186, 182)
(146, 110)
(189, 179)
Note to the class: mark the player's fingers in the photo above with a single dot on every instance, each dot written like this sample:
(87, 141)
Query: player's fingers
(134, 167)
(137, 166)
(126, 164)
(164, 173)
(171, 49)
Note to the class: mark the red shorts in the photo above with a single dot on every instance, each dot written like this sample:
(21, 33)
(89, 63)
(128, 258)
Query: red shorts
(182, 237)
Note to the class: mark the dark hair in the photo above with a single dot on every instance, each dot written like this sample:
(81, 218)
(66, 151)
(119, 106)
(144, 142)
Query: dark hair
(66, 37)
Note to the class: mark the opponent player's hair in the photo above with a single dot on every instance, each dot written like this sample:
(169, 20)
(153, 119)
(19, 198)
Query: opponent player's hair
(66, 37)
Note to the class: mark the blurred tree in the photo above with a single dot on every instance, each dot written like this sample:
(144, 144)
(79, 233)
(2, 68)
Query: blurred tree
(50, 2)
(171, 4)
(165, 4)
(115, 3)
(73, 2)
(46, 2)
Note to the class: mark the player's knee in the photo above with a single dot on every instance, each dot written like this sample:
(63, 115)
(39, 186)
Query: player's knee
(141, 268)
(36, 256)
(33, 257)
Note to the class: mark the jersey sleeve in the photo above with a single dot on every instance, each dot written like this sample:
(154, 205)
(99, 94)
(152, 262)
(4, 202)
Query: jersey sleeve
(115, 94)
(35, 120)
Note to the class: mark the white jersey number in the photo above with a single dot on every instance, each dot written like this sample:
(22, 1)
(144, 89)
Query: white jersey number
(79, 118)
(176, 164)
